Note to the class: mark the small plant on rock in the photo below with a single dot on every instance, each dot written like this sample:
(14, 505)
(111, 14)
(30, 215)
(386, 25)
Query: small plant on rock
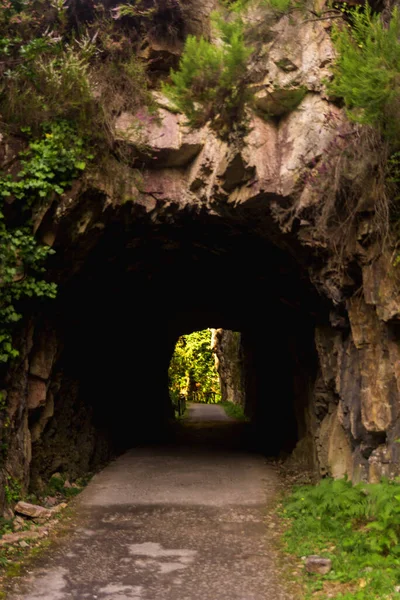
(210, 81)
(367, 71)
(12, 490)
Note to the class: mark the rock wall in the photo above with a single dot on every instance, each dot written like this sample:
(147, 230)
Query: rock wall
(208, 233)
(229, 363)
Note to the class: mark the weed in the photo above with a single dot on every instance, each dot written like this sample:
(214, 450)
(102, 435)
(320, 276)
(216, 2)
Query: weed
(233, 410)
(5, 526)
(12, 490)
(13, 570)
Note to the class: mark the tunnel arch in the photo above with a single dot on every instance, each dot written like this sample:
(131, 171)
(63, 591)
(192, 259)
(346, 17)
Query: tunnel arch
(131, 292)
(133, 276)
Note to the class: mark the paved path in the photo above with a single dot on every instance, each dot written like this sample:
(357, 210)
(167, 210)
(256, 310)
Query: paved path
(207, 413)
(179, 522)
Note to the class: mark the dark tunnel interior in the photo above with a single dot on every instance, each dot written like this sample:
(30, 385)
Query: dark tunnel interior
(133, 291)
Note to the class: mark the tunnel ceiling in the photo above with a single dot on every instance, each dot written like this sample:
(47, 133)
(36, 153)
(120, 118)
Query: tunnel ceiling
(200, 264)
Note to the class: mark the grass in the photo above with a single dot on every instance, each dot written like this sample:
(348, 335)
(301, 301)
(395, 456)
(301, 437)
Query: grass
(357, 527)
(233, 410)
(56, 485)
(179, 417)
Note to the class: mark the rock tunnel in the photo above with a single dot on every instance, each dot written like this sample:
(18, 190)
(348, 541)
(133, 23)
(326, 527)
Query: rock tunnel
(136, 269)
(201, 231)
(120, 311)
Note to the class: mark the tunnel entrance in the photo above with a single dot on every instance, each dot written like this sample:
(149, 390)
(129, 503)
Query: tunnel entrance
(127, 291)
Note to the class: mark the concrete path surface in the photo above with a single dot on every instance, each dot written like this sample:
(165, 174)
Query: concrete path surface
(183, 521)
(207, 412)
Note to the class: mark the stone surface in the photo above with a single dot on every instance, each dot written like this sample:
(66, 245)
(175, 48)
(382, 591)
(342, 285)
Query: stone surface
(303, 137)
(33, 511)
(18, 523)
(37, 392)
(317, 564)
(163, 139)
(377, 378)
(382, 288)
(335, 454)
(229, 364)
(43, 355)
(46, 414)
(13, 538)
(301, 54)
(58, 508)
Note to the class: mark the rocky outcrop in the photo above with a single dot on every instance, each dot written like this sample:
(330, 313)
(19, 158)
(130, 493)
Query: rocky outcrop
(229, 363)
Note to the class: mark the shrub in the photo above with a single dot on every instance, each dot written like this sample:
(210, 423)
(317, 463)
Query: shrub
(210, 81)
(54, 73)
(50, 86)
(47, 169)
(367, 71)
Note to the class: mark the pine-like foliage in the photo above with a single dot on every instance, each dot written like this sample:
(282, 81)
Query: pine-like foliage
(367, 72)
(209, 84)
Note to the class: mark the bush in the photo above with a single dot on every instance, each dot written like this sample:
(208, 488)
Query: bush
(47, 169)
(210, 81)
(51, 72)
(367, 71)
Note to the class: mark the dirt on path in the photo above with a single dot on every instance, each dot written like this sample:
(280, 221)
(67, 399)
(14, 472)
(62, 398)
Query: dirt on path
(182, 521)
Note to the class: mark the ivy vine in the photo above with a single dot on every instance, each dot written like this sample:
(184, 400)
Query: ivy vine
(47, 169)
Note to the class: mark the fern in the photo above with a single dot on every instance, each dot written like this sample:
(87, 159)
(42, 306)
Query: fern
(358, 527)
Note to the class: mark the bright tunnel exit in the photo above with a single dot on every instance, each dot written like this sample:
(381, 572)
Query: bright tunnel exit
(206, 367)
